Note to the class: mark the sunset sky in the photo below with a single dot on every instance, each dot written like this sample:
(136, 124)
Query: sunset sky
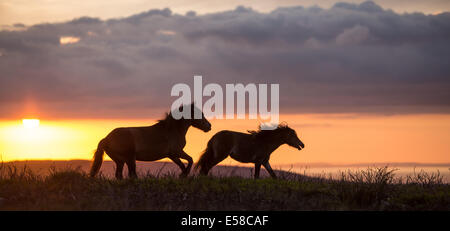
(361, 82)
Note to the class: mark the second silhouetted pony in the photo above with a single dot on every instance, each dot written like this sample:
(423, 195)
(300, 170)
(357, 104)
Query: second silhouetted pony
(253, 147)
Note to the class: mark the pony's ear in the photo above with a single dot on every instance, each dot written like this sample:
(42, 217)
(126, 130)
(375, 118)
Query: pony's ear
(283, 124)
(182, 107)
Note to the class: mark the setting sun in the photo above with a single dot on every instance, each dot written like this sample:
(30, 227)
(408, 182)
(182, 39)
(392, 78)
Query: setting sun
(30, 123)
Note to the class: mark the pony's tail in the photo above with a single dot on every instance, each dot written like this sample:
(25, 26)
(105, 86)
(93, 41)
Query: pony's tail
(98, 158)
(204, 161)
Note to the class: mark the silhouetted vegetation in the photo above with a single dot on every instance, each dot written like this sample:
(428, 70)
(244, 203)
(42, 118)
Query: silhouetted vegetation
(73, 189)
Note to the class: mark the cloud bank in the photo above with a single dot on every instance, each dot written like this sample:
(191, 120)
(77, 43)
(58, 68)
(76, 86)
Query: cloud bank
(348, 58)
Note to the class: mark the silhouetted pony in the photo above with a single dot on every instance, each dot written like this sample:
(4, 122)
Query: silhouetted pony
(255, 147)
(164, 139)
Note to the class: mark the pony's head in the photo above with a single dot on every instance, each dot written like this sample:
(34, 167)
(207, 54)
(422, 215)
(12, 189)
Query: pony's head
(202, 123)
(289, 136)
(283, 132)
(188, 119)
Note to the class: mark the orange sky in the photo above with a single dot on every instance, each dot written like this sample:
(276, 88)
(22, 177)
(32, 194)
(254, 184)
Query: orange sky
(329, 138)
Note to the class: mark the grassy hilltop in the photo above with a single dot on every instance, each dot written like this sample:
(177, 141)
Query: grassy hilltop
(72, 189)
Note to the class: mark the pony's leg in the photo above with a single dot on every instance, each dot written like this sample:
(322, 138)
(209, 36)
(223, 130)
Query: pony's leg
(179, 163)
(184, 155)
(119, 169)
(257, 168)
(205, 170)
(212, 162)
(131, 164)
(269, 169)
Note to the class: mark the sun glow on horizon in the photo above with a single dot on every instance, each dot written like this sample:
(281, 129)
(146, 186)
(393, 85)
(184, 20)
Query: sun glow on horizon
(33, 139)
(31, 123)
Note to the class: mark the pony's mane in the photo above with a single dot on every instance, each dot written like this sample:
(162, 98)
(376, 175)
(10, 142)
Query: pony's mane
(168, 119)
(261, 132)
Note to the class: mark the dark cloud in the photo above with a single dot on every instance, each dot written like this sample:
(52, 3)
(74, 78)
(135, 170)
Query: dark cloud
(349, 58)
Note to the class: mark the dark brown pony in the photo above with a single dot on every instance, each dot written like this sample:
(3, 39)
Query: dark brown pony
(254, 147)
(163, 139)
